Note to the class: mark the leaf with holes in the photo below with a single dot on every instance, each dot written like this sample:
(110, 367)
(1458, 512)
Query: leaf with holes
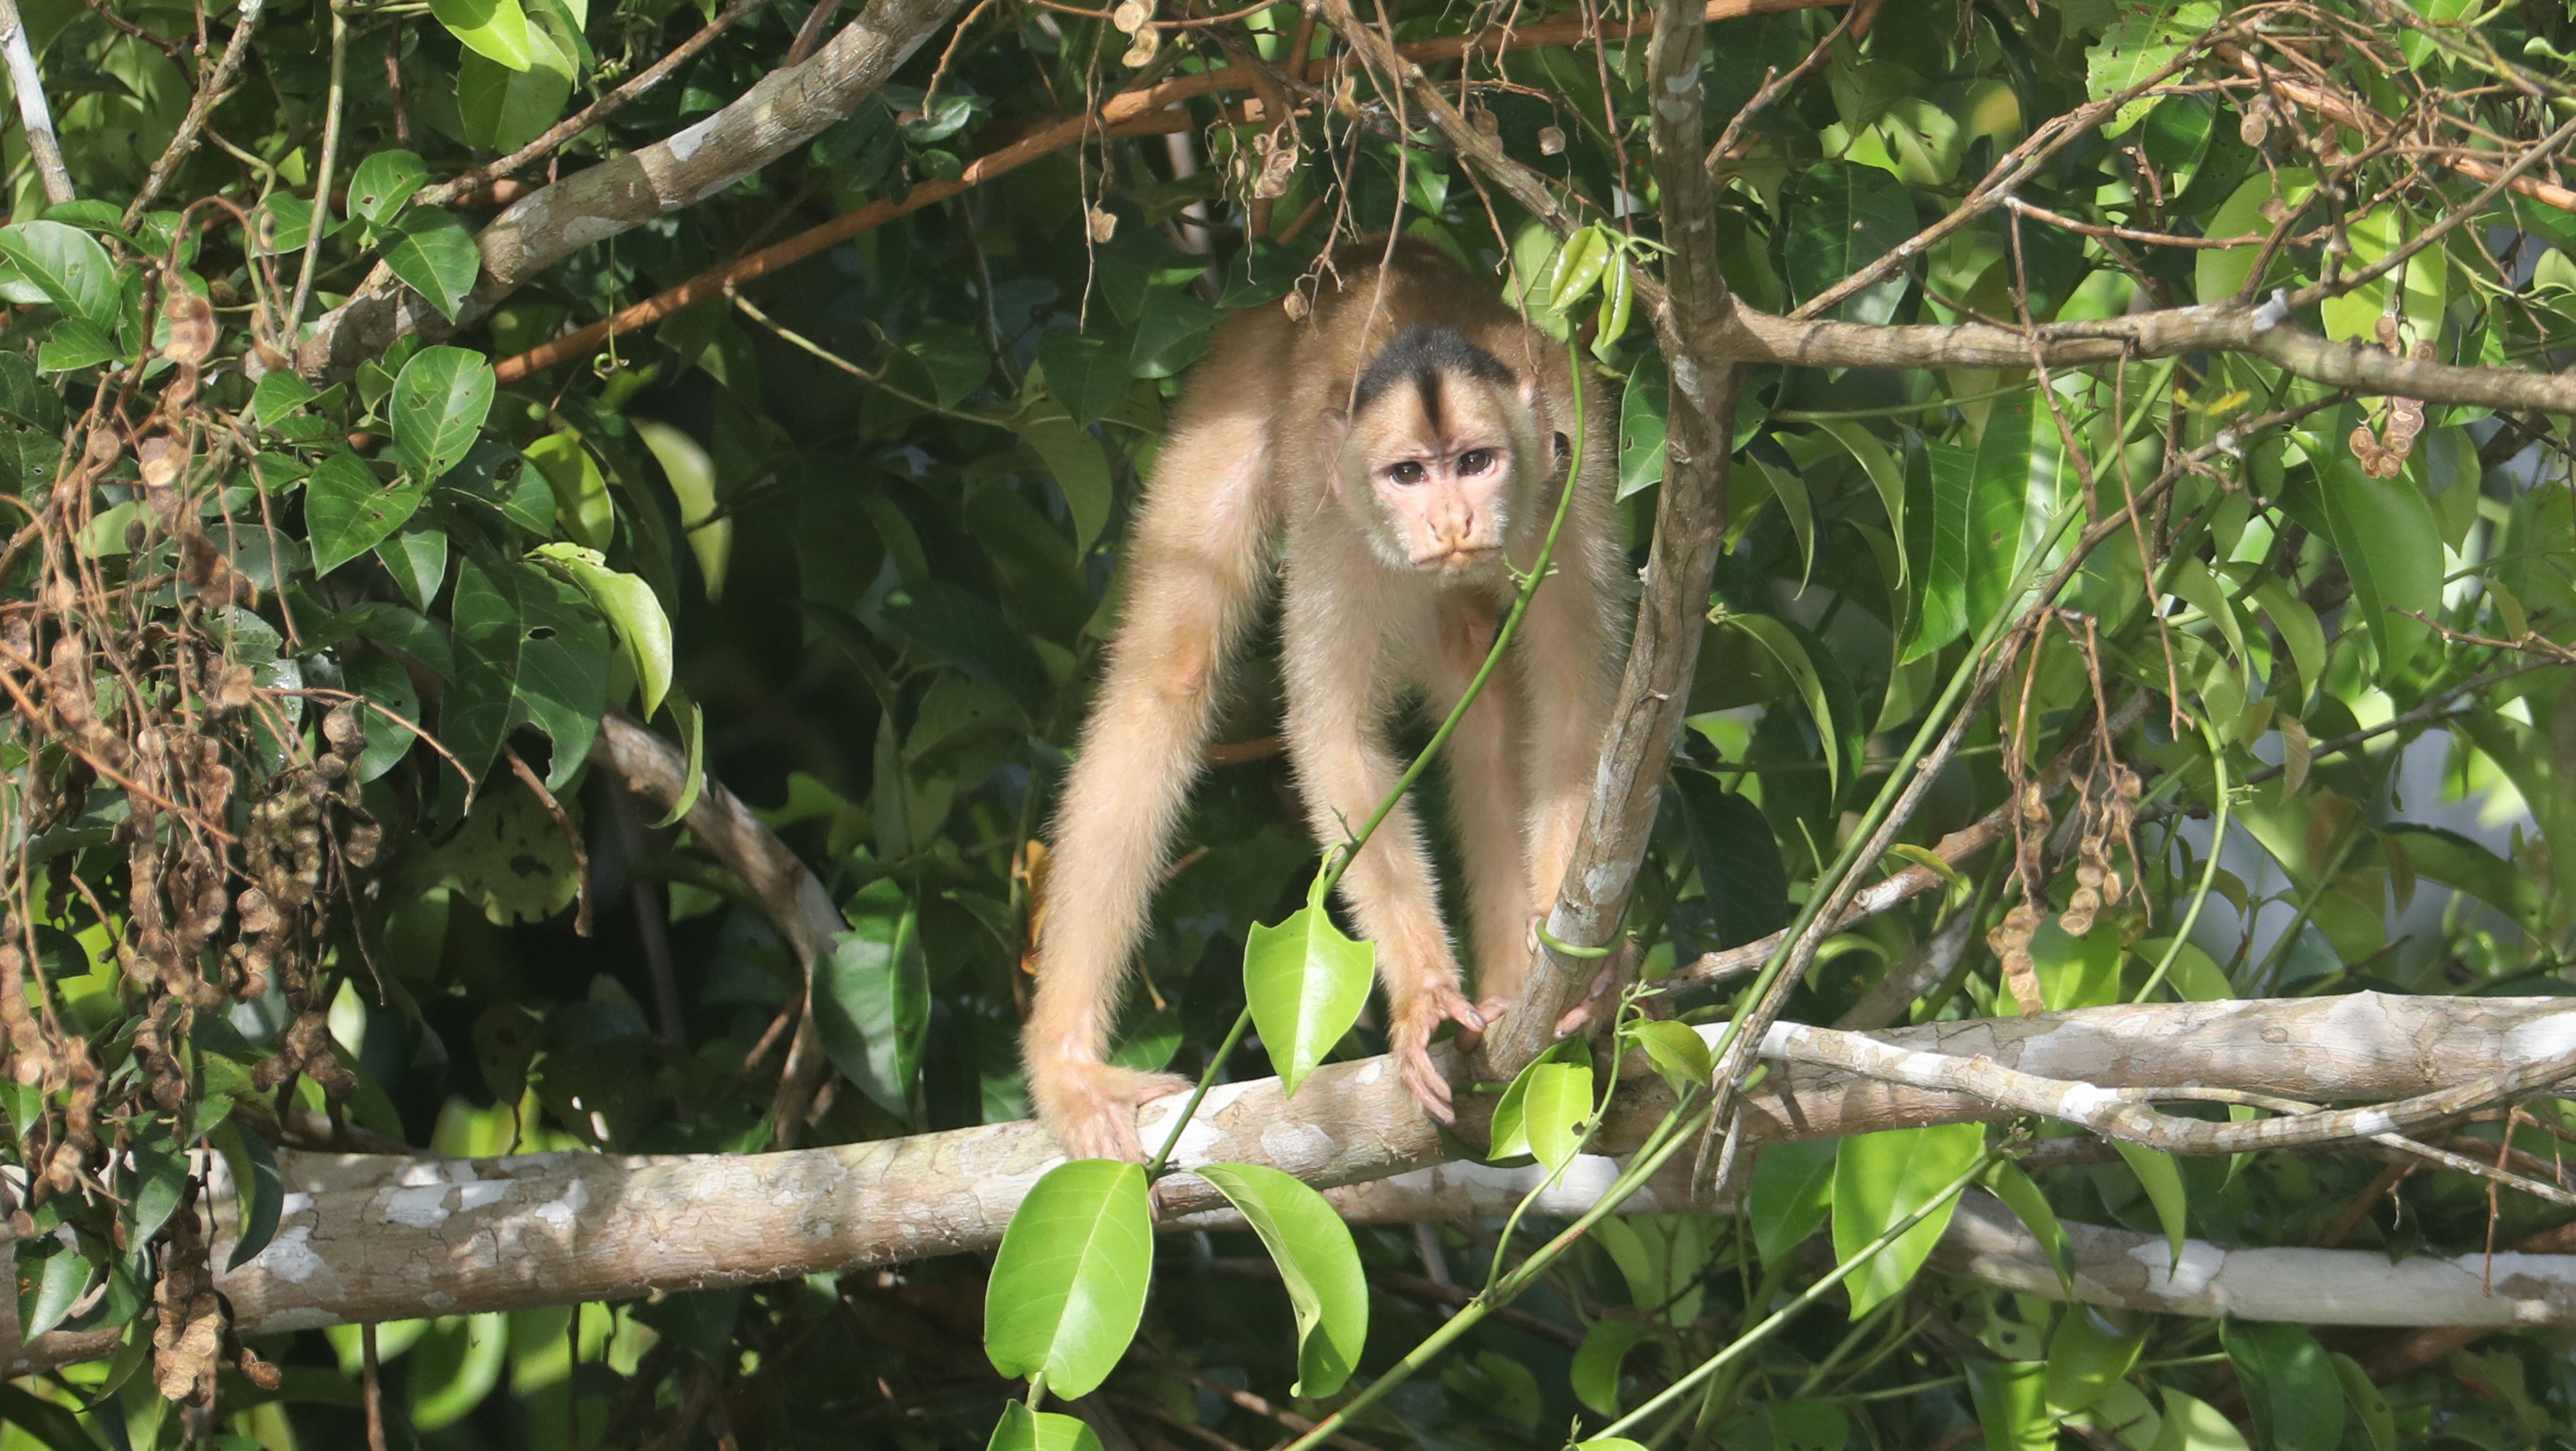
(632, 609)
(348, 510)
(439, 402)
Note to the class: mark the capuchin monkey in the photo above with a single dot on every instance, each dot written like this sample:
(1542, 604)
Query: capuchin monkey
(1410, 439)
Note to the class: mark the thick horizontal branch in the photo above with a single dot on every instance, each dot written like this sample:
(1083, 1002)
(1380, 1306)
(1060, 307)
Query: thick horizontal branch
(381, 1238)
(2113, 1267)
(781, 111)
(2261, 330)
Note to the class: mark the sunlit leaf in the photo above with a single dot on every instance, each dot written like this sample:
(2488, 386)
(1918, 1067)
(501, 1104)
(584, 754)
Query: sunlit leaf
(1306, 982)
(1317, 1262)
(1881, 1178)
(1068, 1284)
(2293, 1391)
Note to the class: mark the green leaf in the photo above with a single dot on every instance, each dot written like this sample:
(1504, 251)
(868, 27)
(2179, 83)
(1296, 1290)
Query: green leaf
(280, 392)
(29, 400)
(1543, 1112)
(1880, 1179)
(2368, 1405)
(434, 254)
(2385, 533)
(1068, 1285)
(259, 1187)
(692, 475)
(2142, 41)
(505, 107)
(2293, 1391)
(1885, 474)
(2193, 1425)
(1083, 372)
(2088, 1354)
(968, 631)
(348, 510)
(73, 344)
(1610, 1443)
(1678, 1053)
(1022, 1429)
(2012, 1404)
(417, 559)
(693, 728)
(160, 1183)
(439, 402)
(2021, 1194)
(872, 997)
(384, 682)
(1642, 406)
(69, 266)
(383, 185)
(494, 28)
(50, 1284)
(55, 1427)
(1842, 217)
(1605, 1348)
(1073, 458)
(528, 652)
(1784, 645)
(1792, 1192)
(2162, 1178)
(632, 609)
(1306, 983)
(1317, 1262)
(1740, 871)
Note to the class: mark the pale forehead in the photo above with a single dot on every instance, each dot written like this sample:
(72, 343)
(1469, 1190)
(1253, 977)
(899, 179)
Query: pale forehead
(1438, 410)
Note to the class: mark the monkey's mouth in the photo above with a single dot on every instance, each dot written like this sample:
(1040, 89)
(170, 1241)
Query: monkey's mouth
(1452, 561)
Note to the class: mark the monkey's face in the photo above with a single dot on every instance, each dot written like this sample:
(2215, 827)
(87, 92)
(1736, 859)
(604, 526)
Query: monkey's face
(1436, 470)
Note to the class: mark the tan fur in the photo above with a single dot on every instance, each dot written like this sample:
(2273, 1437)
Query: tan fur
(1388, 587)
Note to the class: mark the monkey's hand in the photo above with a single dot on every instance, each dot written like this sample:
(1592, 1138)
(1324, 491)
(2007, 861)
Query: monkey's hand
(1091, 1107)
(1412, 1022)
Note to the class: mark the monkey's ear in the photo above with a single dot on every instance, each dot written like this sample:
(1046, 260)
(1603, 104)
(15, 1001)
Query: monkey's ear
(1336, 424)
(1529, 391)
(1564, 450)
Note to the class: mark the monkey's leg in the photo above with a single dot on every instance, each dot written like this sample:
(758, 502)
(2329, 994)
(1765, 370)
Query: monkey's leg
(1341, 636)
(1487, 798)
(1198, 562)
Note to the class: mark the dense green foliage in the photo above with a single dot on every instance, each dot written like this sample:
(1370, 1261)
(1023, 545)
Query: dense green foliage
(305, 674)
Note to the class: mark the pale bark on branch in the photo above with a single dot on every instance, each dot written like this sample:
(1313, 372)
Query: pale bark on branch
(381, 1237)
(783, 110)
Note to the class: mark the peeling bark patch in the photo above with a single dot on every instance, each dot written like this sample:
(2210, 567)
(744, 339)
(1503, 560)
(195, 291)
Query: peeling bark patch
(424, 1207)
(2200, 1268)
(685, 144)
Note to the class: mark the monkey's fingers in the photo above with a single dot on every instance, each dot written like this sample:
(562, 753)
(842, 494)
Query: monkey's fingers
(1583, 1014)
(1424, 1080)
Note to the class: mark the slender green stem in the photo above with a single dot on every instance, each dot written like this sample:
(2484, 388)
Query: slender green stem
(330, 160)
(1659, 1148)
(2208, 873)
(1340, 859)
(1743, 1343)
(1207, 1080)
(1037, 1390)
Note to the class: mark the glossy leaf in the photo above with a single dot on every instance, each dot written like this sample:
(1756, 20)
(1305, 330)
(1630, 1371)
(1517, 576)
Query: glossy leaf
(260, 1189)
(2292, 1390)
(1067, 1289)
(1543, 1112)
(1022, 1429)
(1791, 1193)
(1595, 1375)
(528, 652)
(2012, 1404)
(348, 510)
(383, 185)
(1841, 217)
(872, 997)
(2386, 536)
(497, 29)
(434, 253)
(1317, 1262)
(67, 265)
(692, 477)
(2162, 1178)
(1083, 373)
(632, 609)
(2086, 1356)
(1677, 1052)
(1881, 1178)
(1641, 426)
(1074, 460)
(439, 402)
(1740, 870)
(1306, 983)
(2022, 1196)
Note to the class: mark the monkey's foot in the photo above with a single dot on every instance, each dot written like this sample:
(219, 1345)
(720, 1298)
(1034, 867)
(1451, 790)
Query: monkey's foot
(1409, 1038)
(1585, 1013)
(1091, 1107)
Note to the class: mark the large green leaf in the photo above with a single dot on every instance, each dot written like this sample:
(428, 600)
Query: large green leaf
(1881, 1178)
(2023, 1197)
(1074, 458)
(2385, 534)
(2162, 1179)
(439, 402)
(1792, 1192)
(966, 630)
(528, 652)
(383, 184)
(631, 607)
(1306, 983)
(2011, 1397)
(1317, 1262)
(503, 106)
(68, 266)
(1595, 1374)
(1022, 1429)
(1740, 870)
(872, 997)
(1068, 1285)
(1543, 1112)
(433, 253)
(2088, 1354)
(2292, 1390)
(494, 28)
(2140, 42)
(1641, 425)
(1084, 372)
(348, 510)
(1842, 217)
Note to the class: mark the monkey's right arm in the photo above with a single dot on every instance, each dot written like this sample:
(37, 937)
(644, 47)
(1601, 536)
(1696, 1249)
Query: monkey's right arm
(1198, 559)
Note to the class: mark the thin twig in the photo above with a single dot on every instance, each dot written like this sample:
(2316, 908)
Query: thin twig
(536, 784)
(320, 224)
(211, 91)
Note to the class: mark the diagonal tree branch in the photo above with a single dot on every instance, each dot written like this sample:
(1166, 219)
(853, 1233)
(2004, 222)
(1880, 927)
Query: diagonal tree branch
(783, 110)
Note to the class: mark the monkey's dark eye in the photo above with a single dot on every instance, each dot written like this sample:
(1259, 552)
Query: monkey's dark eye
(1475, 461)
(1407, 472)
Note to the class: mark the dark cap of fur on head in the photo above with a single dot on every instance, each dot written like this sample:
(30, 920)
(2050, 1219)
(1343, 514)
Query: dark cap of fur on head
(1422, 353)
